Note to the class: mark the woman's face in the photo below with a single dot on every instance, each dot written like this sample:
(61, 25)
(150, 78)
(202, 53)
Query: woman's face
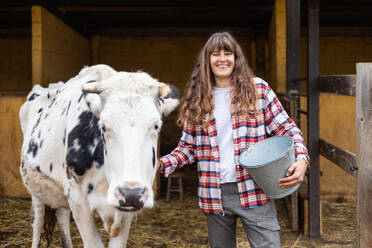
(222, 64)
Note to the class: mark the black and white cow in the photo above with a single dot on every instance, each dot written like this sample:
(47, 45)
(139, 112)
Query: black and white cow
(90, 146)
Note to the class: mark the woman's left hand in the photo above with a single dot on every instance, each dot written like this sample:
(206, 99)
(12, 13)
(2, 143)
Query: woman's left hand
(295, 174)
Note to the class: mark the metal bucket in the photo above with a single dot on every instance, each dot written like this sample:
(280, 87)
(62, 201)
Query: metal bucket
(267, 161)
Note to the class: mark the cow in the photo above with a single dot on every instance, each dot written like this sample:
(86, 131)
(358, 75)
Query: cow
(90, 146)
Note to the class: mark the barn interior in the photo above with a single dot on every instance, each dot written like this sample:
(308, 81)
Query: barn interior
(48, 41)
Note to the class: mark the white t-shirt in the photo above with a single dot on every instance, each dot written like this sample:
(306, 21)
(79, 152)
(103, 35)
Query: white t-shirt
(222, 115)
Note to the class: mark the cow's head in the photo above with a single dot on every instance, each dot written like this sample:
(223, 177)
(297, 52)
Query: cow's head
(130, 109)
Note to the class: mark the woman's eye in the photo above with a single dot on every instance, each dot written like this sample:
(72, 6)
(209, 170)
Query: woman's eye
(156, 127)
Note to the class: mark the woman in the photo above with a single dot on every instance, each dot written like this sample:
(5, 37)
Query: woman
(224, 111)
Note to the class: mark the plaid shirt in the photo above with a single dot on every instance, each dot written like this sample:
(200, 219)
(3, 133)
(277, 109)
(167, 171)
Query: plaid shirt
(199, 144)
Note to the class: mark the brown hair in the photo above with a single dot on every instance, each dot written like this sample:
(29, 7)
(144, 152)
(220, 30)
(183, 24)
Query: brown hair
(197, 101)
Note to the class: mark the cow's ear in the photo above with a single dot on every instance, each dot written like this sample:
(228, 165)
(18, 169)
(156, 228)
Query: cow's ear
(168, 98)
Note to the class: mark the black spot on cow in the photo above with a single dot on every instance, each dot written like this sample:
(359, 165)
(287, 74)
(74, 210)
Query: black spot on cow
(52, 102)
(63, 111)
(48, 95)
(51, 167)
(32, 147)
(38, 168)
(24, 171)
(33, 96)
(36, 124)
(40, 109)
(85, 144)
(153, 157)
(81, 96)
(90, 188)
(64, 137)
(41, 143)
(68, 107)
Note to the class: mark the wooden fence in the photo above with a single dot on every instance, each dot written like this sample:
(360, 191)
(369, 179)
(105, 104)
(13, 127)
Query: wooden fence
(359, 164)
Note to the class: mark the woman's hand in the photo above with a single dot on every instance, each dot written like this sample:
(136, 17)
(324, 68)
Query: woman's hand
(160, 167)
(295, 174)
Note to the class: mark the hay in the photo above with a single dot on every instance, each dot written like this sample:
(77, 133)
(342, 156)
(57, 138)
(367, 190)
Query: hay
(180, 224)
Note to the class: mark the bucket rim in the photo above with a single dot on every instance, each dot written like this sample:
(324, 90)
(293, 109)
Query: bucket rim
(269, 162)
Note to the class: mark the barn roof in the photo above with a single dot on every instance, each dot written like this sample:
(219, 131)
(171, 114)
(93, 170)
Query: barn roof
(181, 17)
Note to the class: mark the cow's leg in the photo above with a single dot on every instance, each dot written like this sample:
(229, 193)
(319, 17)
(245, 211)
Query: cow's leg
(121, 240)
(63, 217)
(84, 220)
(38, 209)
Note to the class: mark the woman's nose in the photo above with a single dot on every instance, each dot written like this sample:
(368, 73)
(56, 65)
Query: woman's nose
(222, 57)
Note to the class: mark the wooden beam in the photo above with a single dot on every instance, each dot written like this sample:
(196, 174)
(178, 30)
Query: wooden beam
(342, 158)
(338, 84)
(313, 117)
(364, 154)
(52, 9)
(293, 44)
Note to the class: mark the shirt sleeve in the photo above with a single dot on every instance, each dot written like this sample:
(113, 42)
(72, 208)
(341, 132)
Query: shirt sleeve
(278, 122)
(183, 154)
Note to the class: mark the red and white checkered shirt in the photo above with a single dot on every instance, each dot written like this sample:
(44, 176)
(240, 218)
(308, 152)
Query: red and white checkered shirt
(199, 144)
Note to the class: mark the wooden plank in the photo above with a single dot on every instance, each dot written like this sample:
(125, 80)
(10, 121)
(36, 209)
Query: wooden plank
(36, 17)
(342, 158)
(364, 154)
(313, 117)
(11, 137)
(338, 84)
(293, 44)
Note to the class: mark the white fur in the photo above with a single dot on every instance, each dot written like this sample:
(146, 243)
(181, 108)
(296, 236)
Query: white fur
(129, 109)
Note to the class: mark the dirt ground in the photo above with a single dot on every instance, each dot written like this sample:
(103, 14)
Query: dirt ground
(182, 224)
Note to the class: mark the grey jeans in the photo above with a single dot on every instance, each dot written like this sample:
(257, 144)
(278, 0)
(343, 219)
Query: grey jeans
(260, 223)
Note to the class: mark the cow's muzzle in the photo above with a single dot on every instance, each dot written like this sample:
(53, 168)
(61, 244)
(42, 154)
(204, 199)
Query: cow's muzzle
(131, 198)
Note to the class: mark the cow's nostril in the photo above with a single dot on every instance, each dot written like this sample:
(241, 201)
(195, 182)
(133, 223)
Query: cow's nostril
(132, 192)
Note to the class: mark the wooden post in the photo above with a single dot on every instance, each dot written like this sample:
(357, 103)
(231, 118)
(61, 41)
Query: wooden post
(293, 71)
(313, 117)
(293, 44)
(364, 154)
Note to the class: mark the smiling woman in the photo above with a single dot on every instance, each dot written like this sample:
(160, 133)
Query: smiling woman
(222, 65)
(225, 111)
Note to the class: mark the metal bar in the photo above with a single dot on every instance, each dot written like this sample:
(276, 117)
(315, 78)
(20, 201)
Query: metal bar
(313, 117)
(338, 84)
(364, 155)
(342, 158)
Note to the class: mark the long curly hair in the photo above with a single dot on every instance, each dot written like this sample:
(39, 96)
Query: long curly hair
(197, 102)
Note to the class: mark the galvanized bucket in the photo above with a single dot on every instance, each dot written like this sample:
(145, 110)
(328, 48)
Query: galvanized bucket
(267, 161)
